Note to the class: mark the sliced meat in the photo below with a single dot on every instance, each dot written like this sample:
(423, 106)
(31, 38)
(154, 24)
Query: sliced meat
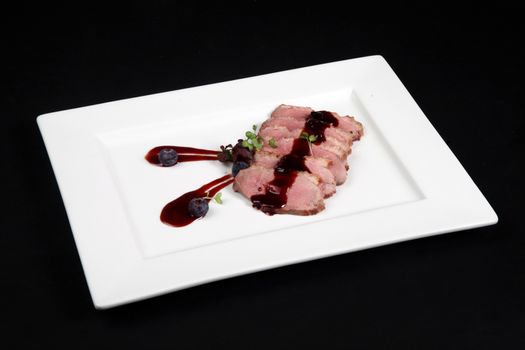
(291, 175)
(317, 166)
(277, 132)
(253, 180)
(288, 123)
(337, 166)
(303, 197)
(295, 112)
(346, 123)
(284, 146)
(266, 159)
(349, 124)
(340, 135)
(320, 168)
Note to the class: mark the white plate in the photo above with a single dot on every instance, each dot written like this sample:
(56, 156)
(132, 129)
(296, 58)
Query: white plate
(403, 183)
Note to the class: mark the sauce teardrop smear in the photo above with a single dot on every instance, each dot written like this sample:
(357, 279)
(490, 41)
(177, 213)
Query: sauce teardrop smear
(185, 154)
(176, 212)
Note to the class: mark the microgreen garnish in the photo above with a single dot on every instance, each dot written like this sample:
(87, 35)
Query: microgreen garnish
(252, 141)
(272, 143)
(217, 198)
(309, 138)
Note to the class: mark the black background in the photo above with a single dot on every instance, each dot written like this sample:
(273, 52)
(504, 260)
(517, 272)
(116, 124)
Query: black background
(465, 69)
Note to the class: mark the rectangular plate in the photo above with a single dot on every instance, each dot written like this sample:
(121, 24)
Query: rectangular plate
(404, 182)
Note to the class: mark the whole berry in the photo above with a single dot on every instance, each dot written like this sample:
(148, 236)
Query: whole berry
(198, 207)
(168, 157)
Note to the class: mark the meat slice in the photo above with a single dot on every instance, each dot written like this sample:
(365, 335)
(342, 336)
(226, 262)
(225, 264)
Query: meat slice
(278, 131)
(266, 159)
(340, 135)
(285, 145)
(253, 180)
(303, 197)
(316, 165)
(349, 124)
(288, 123)
(346, 123)
(295, 112)
(320, 168)
(338, 163)
(337, 166)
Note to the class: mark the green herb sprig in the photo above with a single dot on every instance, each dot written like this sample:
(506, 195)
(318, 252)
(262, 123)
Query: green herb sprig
(217, 198)
(309, 138)
(253, 141)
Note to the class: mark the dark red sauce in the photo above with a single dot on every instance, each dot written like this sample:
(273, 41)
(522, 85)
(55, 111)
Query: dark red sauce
(186, 154)
(317, 123)
(176, 212)
(286, 170)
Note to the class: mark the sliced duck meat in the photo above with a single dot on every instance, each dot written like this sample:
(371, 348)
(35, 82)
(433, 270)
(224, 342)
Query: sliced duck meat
(303, 158)
(337, 166)
(285, 145)
(346, 123)
(288, 123)
(317, 166)
(272, 193)
(321, 168)
(288, 111)
(253, 180)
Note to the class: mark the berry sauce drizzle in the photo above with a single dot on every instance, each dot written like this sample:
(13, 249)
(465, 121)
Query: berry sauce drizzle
(185, 154)
(176, 212)
(286, 170)
(317, 123)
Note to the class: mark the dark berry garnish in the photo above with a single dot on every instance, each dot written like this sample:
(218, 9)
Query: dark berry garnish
(238, 166)
(240, 153)
(168, 157)
(198, 207)
(226, 154)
